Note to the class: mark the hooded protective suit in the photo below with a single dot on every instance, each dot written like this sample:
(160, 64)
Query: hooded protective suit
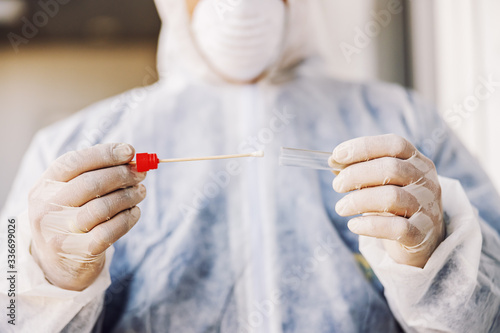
(248, 246)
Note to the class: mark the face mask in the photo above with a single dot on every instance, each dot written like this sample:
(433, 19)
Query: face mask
(241, 39)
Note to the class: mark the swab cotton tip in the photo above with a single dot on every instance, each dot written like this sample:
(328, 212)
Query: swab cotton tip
(258, 153)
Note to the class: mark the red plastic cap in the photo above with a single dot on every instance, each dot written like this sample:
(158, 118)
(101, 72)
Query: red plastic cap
(146, 162)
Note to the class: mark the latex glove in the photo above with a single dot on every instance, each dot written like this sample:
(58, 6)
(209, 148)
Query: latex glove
(83, 203)
(396, 189)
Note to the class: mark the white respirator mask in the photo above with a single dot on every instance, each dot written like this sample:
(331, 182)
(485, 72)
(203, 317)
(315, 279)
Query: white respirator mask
(239, 39)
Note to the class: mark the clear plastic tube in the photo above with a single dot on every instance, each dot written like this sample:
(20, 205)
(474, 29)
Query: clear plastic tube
(312, 159)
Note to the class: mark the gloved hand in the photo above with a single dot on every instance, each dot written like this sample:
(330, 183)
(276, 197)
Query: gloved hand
(83, 203)
(396, 189)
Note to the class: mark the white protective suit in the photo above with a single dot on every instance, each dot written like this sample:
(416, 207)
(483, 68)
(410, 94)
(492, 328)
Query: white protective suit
(248, 246)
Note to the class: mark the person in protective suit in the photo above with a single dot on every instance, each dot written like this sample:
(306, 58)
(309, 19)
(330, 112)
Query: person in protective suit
(247, 245)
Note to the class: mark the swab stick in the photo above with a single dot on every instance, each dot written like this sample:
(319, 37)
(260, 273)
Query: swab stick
(146, 162)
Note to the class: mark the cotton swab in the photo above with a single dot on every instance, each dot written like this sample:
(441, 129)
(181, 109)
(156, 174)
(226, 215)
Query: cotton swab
(146, 162)
(218, 157)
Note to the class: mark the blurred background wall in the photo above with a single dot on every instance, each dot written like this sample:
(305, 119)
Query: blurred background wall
(454, 59)
(94, 49)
